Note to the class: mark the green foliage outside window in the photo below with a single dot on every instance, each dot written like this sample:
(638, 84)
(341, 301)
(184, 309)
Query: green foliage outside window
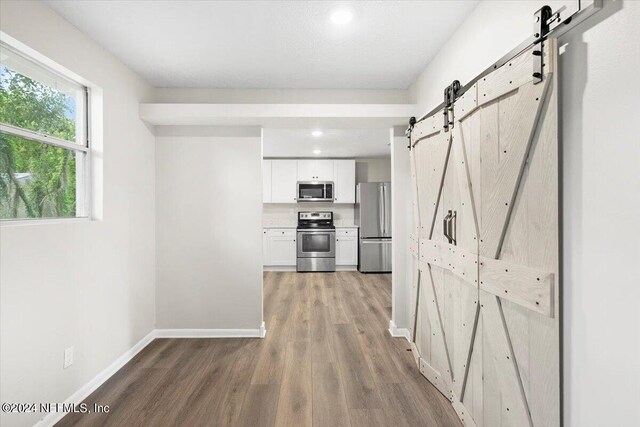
(37, 180)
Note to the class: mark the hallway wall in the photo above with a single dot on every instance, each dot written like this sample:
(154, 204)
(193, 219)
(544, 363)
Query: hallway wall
(402, 220)
(209, 236)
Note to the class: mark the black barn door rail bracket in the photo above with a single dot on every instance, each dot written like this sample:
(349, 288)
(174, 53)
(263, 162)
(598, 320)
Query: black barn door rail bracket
(450, 95)
(412, 122)
(541, 20)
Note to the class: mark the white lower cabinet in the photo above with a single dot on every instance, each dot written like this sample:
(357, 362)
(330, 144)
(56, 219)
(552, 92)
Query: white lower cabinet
(265, 246)
(280, 247)
(346, 246)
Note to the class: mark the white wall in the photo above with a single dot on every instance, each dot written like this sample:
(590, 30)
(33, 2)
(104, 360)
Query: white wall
(601, 215)
(401, 213)
(601, 152)
(286, 214)
(373, 170)
(87, 284)
(208, 231)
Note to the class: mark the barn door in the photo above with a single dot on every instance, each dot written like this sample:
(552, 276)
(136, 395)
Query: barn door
(487, 317)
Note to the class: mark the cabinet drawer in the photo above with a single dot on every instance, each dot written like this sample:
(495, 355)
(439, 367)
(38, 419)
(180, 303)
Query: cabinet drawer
(347, 232)
(286, 232)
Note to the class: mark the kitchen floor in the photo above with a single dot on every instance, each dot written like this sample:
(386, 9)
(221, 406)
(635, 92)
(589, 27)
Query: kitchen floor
(327, 360)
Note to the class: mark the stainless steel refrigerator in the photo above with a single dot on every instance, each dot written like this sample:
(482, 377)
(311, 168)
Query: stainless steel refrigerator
(373, 216)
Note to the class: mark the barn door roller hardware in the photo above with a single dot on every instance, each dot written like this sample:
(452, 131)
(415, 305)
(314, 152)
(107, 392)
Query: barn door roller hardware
(412, 122)
(450, 94)
(541, 20)
(554, 25)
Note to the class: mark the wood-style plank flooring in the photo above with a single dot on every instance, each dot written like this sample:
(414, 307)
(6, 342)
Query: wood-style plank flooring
(327, 360)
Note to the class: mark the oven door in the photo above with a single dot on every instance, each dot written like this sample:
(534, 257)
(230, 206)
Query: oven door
(316, 244)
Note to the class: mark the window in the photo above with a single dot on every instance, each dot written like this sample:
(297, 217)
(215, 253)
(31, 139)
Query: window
(44, 144)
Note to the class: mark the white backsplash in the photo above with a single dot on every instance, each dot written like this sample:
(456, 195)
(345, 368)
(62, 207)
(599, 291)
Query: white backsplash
(287, 214)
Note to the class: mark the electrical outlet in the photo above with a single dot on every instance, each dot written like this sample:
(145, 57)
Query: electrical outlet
(68, 357)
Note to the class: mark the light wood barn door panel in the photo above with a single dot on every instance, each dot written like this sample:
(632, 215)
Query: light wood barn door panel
(463, 198)
(461, 265)
(419, 331)
(489, 300)
(518, 250)
(431, 148)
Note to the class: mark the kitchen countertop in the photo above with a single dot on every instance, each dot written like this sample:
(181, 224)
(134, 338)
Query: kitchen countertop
(289, 224)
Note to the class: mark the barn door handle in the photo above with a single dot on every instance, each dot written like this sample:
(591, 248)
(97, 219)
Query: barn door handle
(453, 229)
(446, 225)
(449, 226)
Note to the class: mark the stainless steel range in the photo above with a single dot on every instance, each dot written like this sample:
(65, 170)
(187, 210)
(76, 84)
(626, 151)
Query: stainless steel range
(316, 242)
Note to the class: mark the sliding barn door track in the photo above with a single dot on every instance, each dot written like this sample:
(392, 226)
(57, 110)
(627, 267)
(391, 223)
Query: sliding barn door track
(546, 23)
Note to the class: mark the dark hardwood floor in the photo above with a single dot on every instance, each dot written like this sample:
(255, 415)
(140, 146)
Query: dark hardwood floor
(327, 360)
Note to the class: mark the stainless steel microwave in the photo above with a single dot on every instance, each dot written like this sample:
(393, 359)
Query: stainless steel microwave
(315, 191)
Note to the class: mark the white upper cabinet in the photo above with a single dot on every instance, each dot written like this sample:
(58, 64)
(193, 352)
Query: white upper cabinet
(284, 177)
(315, 170)
(344, 173)
(266, 181)
(280, 176)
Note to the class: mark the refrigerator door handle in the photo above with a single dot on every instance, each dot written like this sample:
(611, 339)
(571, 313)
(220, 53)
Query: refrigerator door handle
(384, 212)
(381, 208)
(366, 241)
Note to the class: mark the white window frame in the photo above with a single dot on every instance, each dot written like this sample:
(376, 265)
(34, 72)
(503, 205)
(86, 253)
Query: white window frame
(82, 145)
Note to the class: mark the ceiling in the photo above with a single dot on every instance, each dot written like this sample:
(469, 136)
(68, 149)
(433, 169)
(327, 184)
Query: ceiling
(333, 143)
(270, 44)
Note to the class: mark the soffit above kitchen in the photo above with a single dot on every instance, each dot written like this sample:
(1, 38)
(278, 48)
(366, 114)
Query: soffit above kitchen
(326, 143)
(271, 44)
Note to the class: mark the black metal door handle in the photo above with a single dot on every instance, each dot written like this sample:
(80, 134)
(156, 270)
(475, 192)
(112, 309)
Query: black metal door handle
(449, 228)
(453, 222)
(445, 226)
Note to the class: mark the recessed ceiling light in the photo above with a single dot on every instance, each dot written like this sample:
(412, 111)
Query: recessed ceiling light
(317, 133)
(317, 151)
(341, 16)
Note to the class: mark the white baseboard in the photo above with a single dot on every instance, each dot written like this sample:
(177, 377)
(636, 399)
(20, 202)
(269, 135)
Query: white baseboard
(212, 333)
(293, 268)
(398, 332)
(279, 268)
(53, 417)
